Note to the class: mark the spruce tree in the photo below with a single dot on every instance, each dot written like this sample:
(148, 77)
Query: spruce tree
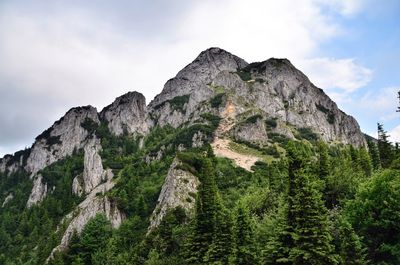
(284, 241)
(385, 147)
(203, 229)
(365, 161)
(351, 250)
(306, 235)
(220, 249)
(312, 239)
(324, 163)
(374, 154)
(244, 248)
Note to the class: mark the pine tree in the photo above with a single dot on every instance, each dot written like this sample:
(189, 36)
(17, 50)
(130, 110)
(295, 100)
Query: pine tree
(374, 154)
(244, 248)
(385, 147)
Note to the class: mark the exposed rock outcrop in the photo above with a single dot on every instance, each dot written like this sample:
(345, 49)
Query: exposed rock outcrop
(281, 91)
(39, 191)
(192, 82)
(253, 132)
(127, 114)
(275, 87)
(12, 163)
(179, 189)
(93, 172)
(7, 199)
(62, 139)
(78, 185)
(94, 203)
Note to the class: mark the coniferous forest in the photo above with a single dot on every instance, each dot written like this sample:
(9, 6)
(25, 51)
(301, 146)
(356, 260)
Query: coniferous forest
(314, 203)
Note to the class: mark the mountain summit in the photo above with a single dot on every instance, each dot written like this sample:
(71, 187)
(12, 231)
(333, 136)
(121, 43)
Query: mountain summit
(243, 112)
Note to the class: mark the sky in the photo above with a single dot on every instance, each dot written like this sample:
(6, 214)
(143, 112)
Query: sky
(58, 54)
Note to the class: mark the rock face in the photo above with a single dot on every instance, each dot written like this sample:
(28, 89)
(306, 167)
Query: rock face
(62, 139)
(179, 189)
(11, 163)
(192, 84)
(93, 173)
(127, 114)
(39, 191)
(86, 210)
(252, 131)
(216, 83)
(273, 87)
(279, 90)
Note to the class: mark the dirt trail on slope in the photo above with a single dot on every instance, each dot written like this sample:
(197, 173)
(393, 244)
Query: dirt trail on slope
(221, 143)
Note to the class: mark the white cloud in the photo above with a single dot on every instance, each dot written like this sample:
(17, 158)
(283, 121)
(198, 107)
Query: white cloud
(346, 7)
(381, 103)
(343, 74)
(395, 134)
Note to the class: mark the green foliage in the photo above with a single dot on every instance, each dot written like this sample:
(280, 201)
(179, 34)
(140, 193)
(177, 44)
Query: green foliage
(330, 116)
(217, 100)
(278, 138)
(206, 207)
(385, 147)
(244, 74)
(307, 134)
(31, 234)
(274, 214)
(351, 250)
(374, 216)
(374, 154)
(253, 119)
(305, 236)
(324, 163)
(244, 245)
(176, 103)
(271, 123)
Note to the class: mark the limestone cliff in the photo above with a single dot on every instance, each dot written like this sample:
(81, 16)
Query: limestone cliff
(127, 114)
(95, 202)
(253, 101)
(182, 94)
(179, 189)
(62, 139)
(273, 88)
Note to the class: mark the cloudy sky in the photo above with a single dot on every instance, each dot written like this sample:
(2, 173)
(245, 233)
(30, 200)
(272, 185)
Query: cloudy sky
(57, 54)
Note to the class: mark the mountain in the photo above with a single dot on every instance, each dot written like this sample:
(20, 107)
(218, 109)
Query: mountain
(131, 159)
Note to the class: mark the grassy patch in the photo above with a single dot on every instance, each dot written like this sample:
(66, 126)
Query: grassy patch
(177, 103)
(246, 150)
(253, 119)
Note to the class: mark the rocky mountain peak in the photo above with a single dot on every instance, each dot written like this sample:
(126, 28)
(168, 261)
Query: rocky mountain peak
(196, 75)
(127, 114)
